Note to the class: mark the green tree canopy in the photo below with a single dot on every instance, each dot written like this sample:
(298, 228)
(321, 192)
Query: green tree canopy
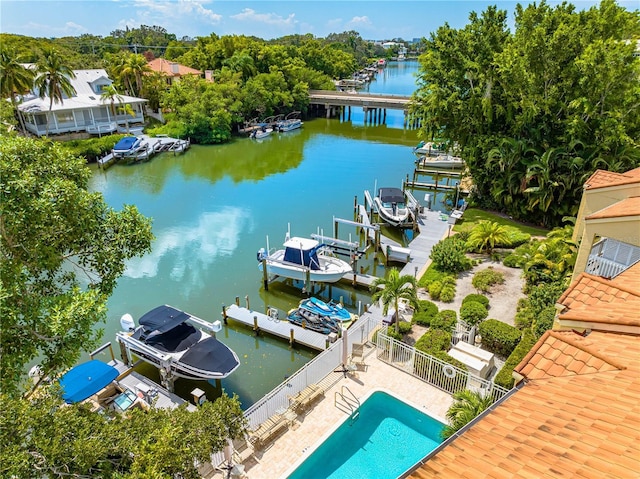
(63, 250)
(391, 289)
(536, 111)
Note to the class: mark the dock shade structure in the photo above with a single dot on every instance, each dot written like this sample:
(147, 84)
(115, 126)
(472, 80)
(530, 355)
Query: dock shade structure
(85, 380)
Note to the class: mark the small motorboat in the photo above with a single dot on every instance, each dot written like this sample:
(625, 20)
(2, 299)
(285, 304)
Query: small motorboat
(333, 310)
(392, 206)
(289, 123)
(440, 161)
(173, 341)
(261, 133)
(129, 146)
(304, 259)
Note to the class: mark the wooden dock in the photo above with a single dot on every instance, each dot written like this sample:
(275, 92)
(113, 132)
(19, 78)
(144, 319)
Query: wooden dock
(278, 327)
(433, 226)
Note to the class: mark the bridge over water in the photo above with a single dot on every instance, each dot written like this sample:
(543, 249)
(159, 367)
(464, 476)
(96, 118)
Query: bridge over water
(374, 106)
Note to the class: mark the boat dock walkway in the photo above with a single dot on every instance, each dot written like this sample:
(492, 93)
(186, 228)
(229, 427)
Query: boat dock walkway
(278, 327)
(149, 146)
(433, 226)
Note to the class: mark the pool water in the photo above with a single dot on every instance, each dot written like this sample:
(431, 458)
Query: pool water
(386, 439)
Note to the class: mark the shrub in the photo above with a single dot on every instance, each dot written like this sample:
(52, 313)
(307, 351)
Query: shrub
(430, 275)
(483, 280)
(404, 327)
(434, 340)
(449, 256)
(391, 332)
(473, 313)
(448, 291)
(505, 378)
(426, 312)
(93, 148)
(499, 337)
(478, 298)
(435, 289)
(543, 321)
(524, 318)
(513, 261)
(515, 238)
(445, 320)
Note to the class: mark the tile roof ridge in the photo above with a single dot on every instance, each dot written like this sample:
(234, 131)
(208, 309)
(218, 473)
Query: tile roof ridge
(532, 352)
(598, 279)
(577, 343)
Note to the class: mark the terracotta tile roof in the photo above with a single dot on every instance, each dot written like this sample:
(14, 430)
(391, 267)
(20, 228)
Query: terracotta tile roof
(603, 179)
(577, 424)
(164, 66)
(598, 300)
(627, 207)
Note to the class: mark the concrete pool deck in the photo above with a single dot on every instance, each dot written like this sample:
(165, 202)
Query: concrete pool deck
(298, 441)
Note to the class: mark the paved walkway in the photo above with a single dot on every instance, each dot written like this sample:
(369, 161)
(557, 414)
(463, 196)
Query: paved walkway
(309, 429)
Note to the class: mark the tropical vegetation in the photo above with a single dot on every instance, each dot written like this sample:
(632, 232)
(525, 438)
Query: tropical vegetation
(467, 405)
(393, 288)
(535, 111)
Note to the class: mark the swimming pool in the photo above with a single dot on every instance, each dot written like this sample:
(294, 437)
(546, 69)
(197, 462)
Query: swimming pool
(386, 439)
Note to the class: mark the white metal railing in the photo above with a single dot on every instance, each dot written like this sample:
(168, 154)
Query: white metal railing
(312, 372)
(438, 373)
(603, 267)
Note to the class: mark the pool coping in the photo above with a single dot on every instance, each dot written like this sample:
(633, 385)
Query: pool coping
(339, 424)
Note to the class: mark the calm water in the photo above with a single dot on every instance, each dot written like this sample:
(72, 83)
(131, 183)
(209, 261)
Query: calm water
(213, 208)
(388, 437)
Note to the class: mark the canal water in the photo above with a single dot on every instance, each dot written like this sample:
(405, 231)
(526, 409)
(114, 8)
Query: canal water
(213, 207)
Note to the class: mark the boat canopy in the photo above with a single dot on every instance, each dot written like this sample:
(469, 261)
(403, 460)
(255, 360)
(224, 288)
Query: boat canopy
(162, 319)
(303, 251)
(85, 380)
(391, 195)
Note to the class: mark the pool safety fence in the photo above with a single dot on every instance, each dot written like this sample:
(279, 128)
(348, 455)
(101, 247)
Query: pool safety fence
(440, 374)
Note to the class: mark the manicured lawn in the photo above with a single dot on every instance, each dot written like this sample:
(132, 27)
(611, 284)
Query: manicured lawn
(473, 216)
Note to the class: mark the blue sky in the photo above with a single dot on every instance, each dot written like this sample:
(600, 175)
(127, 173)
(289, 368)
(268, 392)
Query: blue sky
(373, 19)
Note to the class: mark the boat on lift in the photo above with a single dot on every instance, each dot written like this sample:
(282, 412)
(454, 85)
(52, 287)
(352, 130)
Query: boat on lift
(290, 122)
(302, 259)
(392, 207)
(173, 340)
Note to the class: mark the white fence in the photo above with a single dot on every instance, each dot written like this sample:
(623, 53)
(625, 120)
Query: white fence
(438, 373)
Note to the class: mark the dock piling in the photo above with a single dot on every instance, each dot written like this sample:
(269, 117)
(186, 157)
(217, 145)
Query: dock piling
(265, 275)
(246, 300)
(291, 337)
(224, 314)
(255, 325)
(238, 301)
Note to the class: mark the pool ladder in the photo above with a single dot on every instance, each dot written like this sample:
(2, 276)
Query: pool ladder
(348, 403)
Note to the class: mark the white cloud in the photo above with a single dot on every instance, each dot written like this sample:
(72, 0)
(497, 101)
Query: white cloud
(191, 249)
(69, 29)
(360, 21)
(160, 10)
(251, 15)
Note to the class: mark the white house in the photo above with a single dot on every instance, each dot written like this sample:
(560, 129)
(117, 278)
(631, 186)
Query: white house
(84, 111)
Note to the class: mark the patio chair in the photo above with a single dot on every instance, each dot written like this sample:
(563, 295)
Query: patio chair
(357, 355)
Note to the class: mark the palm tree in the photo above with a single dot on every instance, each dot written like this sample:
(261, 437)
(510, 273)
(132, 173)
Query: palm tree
(53, 78)
(110, 94)
(486, 235)
(15, 79)
(134, 67)
(466, 407)
(394, 287)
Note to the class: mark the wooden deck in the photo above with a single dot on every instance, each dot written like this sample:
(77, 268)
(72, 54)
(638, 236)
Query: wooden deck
(433, 226)
(278, 327)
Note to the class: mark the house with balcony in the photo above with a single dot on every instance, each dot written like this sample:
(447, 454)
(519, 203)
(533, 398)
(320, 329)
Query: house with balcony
(575, 410)
(85, 111)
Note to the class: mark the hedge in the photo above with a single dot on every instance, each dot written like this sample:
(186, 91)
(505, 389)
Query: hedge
(93, 148)
(473, 313)
(445, 320)
(498, 337)
(505, 377)
(478, 298)
(434, 340)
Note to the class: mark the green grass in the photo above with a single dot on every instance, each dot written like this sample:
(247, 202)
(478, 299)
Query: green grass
(473, 216)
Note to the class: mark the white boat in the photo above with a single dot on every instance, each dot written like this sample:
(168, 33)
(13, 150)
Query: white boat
(428, 148)
(289, 123)
(440, 161)
(392, 206)
(261, 133)
(172, 340)
(302, 259)
(129, 146)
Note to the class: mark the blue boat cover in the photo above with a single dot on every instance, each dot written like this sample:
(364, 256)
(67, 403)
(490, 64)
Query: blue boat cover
(308, 258)
(126, 143)
(86, 379)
